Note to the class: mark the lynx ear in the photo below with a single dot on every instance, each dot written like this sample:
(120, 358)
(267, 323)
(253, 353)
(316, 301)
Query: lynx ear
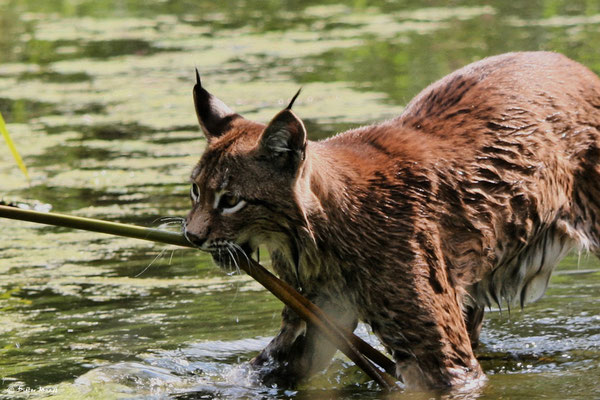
(213, 115)
(284, 139)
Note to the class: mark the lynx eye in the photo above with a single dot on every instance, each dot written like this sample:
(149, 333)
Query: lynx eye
(230, 203)
(228, 200)
(194, 193)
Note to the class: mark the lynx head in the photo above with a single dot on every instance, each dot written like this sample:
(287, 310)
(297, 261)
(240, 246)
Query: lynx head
(243, 186)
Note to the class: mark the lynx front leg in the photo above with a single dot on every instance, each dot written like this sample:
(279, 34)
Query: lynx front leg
(429, 342)
(420, 319)
(299, 350)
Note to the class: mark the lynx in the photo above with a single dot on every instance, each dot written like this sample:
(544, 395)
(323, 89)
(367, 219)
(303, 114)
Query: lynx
(468, 199)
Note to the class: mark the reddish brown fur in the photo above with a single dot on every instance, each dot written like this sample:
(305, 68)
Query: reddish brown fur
(414, 225)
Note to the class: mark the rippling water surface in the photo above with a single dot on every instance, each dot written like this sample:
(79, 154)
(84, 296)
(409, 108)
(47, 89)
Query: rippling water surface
(97, 96)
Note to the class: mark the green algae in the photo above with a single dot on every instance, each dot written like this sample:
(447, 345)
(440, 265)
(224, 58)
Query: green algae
(97, 95)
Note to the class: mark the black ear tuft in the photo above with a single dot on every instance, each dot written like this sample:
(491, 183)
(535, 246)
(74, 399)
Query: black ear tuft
(289, 107)
(198, 82)
(213, 115)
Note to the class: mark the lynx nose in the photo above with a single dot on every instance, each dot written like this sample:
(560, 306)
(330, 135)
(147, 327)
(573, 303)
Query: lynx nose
(195, 239)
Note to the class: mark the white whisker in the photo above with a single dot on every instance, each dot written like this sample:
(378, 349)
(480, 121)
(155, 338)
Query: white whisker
(240, 250)
(170, 223)
(163, 220)
(149, 265)
(237, 267)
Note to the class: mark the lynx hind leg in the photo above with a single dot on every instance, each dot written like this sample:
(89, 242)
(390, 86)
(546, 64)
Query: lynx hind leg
(298, 351)
(586, 200)
(474, 321)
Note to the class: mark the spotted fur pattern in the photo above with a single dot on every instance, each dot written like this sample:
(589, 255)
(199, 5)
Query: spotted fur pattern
(468, 199)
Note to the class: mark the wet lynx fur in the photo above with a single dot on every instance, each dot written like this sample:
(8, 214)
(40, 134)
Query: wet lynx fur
(467, 199)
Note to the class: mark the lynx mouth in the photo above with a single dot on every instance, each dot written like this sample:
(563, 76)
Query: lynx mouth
(228, 254)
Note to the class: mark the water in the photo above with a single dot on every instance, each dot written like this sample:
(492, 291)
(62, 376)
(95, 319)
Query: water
(97, 95)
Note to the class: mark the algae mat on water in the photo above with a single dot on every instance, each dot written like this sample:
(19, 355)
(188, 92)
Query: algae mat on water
(97, 98)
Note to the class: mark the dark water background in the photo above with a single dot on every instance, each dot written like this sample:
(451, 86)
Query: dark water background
(97, 95)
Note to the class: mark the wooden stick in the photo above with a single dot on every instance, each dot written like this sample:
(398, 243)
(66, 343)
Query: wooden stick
(351, 345)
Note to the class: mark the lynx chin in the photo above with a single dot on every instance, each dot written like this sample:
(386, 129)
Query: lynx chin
(414, 225)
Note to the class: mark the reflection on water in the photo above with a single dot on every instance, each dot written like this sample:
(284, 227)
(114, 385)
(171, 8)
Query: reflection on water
(97, 95)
